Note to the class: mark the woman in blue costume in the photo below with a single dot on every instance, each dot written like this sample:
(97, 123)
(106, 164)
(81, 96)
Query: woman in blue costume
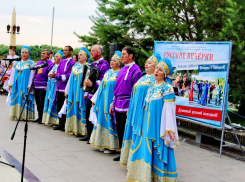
(20, 81)
(203, 98)
(76, 107)
(136, 102)
(104, 135)
(50, 113)
(151, 158)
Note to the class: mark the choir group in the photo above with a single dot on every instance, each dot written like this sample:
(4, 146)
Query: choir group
(128, 112)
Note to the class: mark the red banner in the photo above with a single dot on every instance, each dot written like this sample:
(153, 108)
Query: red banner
(199, 113)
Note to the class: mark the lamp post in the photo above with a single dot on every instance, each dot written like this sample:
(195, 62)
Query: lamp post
(14, 29)
(52, 29)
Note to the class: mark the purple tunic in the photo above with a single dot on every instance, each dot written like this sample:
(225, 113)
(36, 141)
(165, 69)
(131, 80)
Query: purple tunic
(103, 66)
(123, 88)
(41, 78)
(63, 73)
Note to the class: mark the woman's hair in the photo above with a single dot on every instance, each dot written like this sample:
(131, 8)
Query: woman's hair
(50, 51)
(76, 56)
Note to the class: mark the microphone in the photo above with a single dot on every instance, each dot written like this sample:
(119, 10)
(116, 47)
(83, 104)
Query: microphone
(9, 59)
(39, 66)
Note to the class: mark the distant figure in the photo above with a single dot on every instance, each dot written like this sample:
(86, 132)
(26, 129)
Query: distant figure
(186, 92)
(184, 82)
(75, 58)
(191, 91)
(5, 79)
(51, 58)
(212, 87)
(203, 98)
(218, 95)
(12, 55)
(207, 87)
(199, 90)
(176, 84)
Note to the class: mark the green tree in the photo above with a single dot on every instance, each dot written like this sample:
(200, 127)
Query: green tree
(35, 50)
(137, 23)
(118, 21)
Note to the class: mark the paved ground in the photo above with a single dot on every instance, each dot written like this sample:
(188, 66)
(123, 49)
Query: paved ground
(55, 156)
(7, 173)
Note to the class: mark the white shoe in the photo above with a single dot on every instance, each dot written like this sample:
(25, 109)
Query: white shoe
(109, 151)
(102, 149)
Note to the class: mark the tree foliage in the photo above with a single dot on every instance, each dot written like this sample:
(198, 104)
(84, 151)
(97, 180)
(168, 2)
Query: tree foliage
(35, 50)
(138, 23)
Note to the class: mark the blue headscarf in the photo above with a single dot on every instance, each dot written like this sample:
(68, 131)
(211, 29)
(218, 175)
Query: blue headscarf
(155, 58)
(27, 49)
(60, 54)
(118, 56)
(85, 52)
(167, 67)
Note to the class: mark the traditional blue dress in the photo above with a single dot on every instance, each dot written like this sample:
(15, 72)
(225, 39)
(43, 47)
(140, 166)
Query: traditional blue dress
(203, 98)
(50, 113)
(136, 102)
(104, 133)
(20, 80)
(151, 158)
(76, 106)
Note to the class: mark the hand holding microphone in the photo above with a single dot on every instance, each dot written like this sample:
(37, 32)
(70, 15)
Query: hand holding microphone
(39, 66)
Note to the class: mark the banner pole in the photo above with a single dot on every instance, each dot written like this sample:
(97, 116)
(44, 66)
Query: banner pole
(222, 137)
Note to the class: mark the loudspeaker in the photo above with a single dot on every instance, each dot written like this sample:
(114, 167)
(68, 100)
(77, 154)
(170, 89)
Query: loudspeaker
(115, 47)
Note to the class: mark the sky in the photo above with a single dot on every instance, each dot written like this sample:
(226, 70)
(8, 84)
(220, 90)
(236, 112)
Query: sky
(35, 20)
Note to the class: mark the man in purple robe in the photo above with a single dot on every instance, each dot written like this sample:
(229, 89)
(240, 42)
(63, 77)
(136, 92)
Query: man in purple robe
(62, 77)
(40, 83)
(103, 66)
(127, 77)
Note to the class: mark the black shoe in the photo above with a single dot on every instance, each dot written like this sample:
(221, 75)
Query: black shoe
(88, 142)
(86, 138)
(57, 128)
(36, 121)
(117, 158)
(40, 122)
(62, 129)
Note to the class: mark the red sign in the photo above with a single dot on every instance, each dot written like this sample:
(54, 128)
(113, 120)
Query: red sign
(199, 113)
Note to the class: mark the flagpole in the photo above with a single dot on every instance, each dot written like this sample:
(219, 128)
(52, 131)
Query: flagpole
(52, 29)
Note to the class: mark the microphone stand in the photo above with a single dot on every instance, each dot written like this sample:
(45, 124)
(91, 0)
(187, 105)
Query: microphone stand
(26, 125)
(7, 164)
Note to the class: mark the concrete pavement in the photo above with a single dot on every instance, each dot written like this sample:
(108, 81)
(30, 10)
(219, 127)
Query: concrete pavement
(55, 156)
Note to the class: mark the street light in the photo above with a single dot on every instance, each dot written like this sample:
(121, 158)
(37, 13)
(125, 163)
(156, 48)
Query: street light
(14, 29)
(18, 29)
(8, 28)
